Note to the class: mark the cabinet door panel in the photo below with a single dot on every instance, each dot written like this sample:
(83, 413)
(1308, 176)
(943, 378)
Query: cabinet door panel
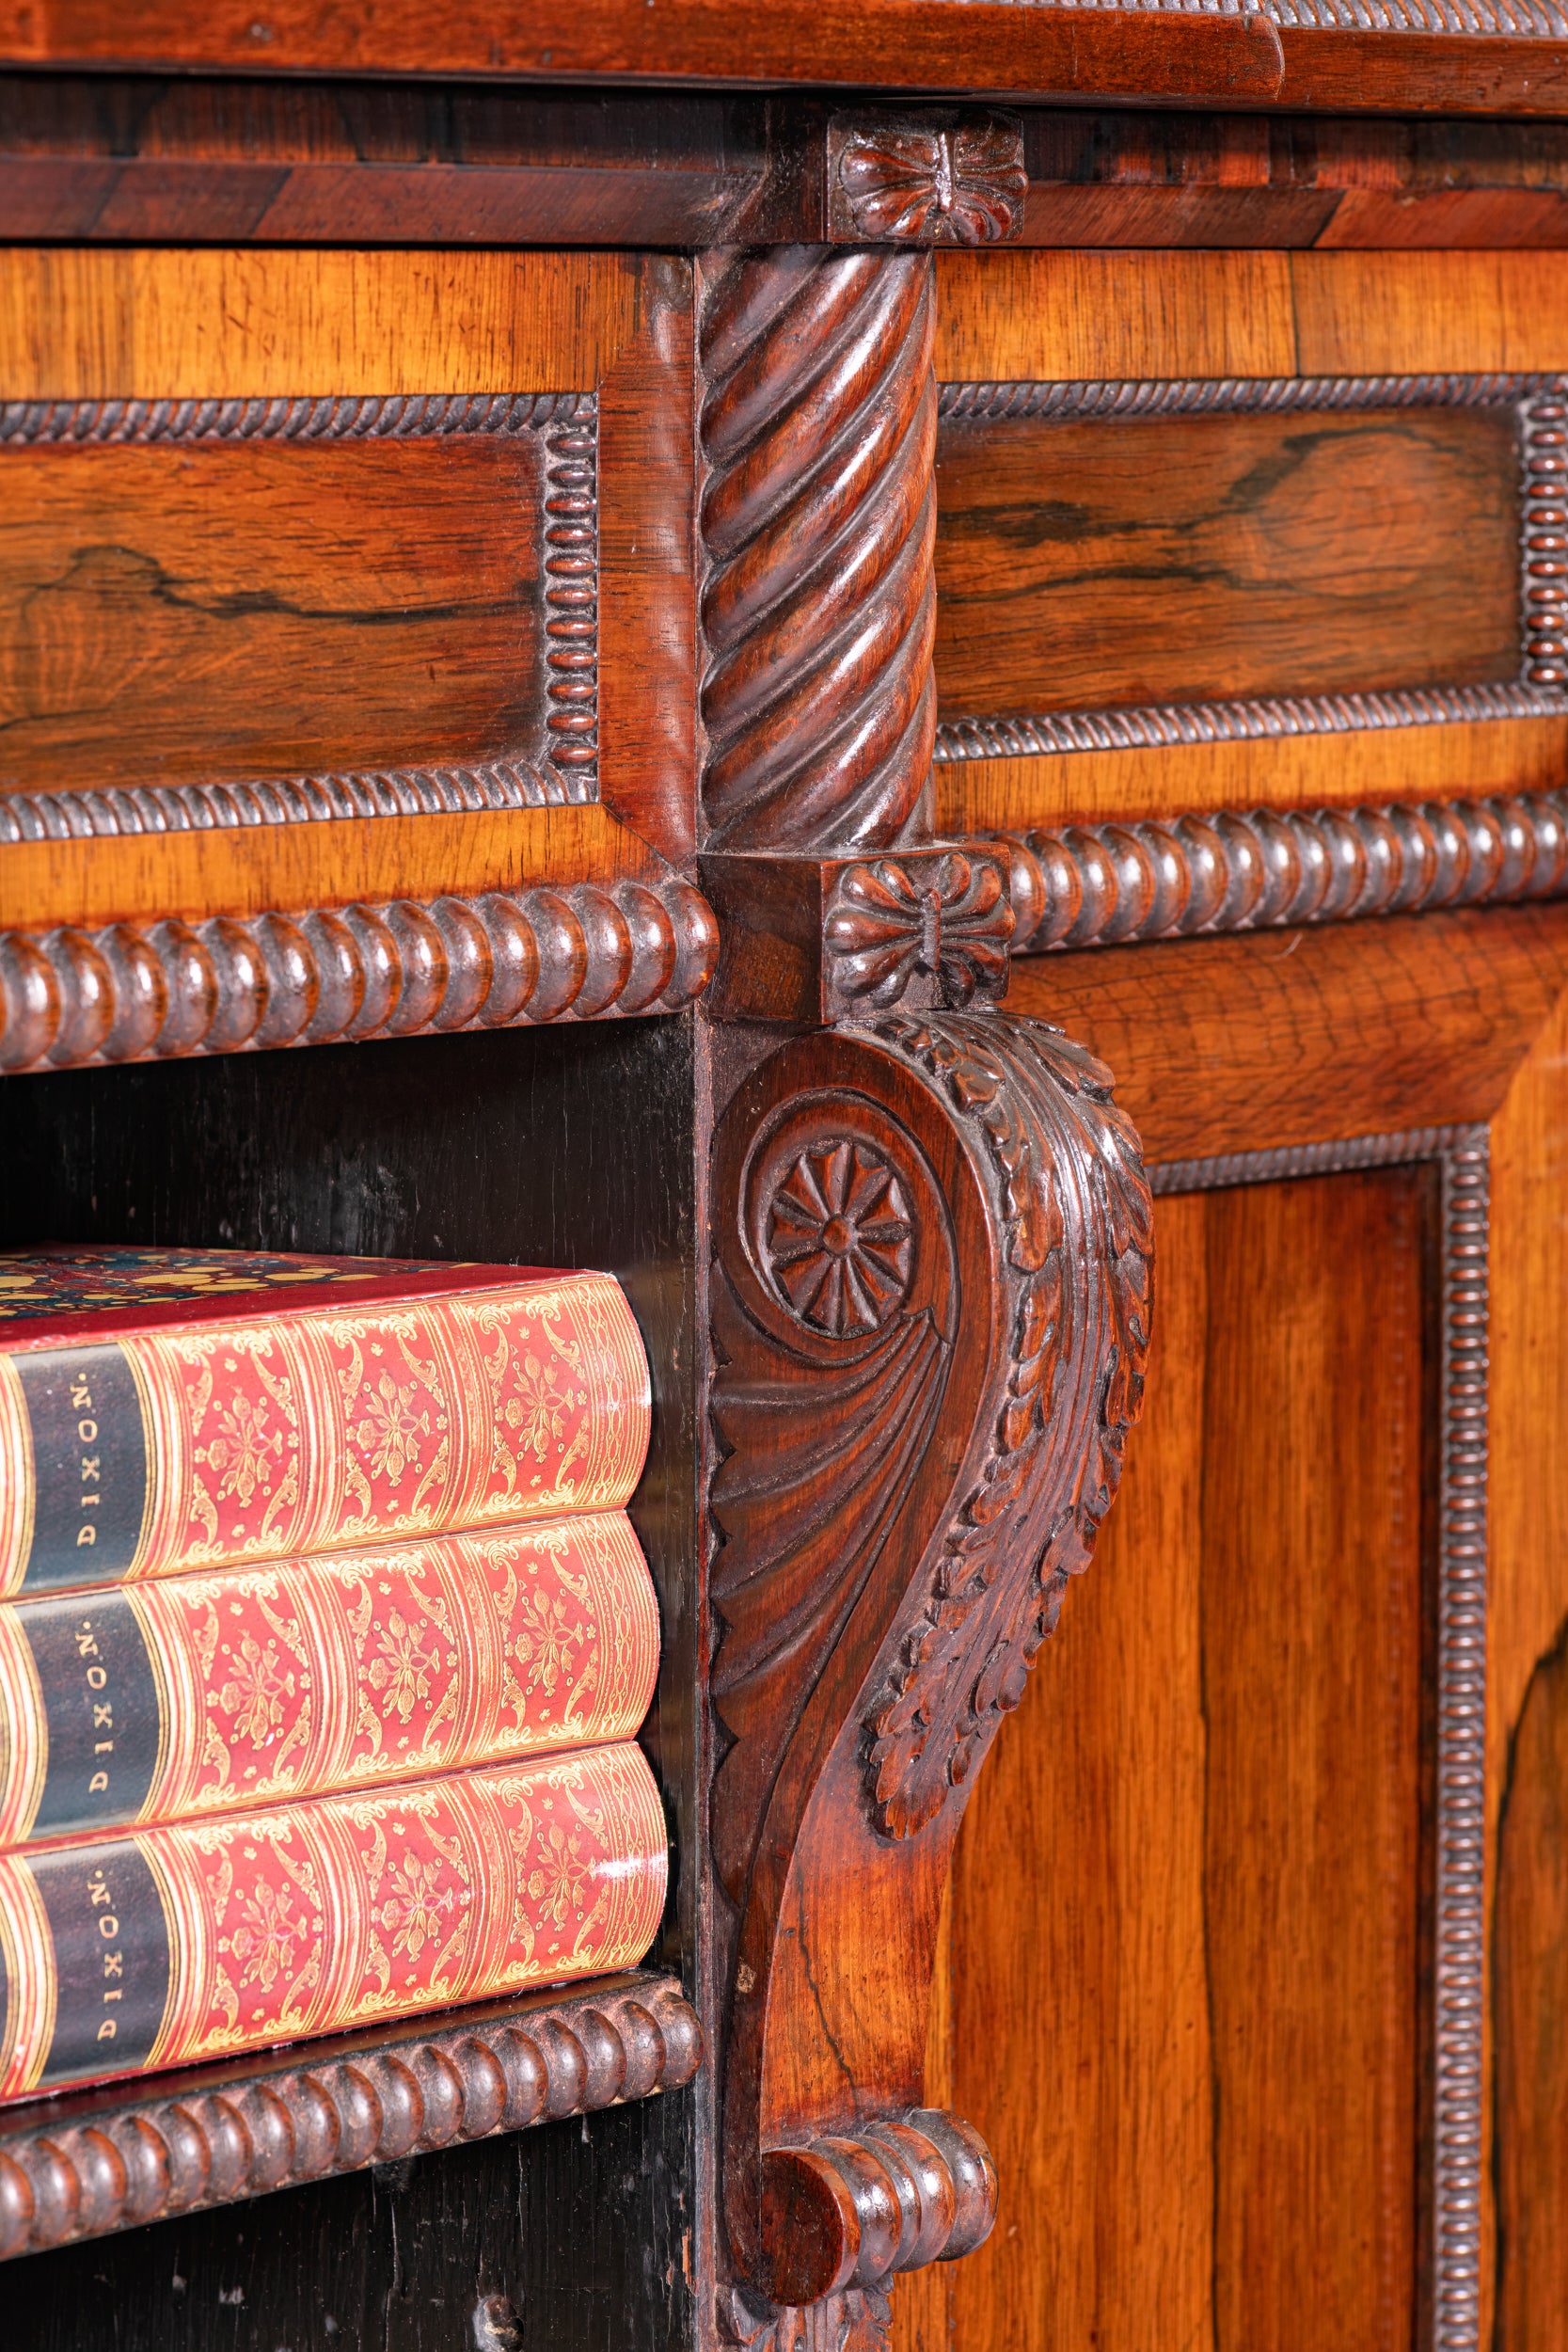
(1185, 2006)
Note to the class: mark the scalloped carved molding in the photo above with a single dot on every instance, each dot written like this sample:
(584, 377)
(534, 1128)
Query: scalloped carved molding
(144, 991)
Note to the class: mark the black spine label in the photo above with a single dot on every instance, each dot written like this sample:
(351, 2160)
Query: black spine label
(89, 1465)
(101, 1709)
(111, 1960)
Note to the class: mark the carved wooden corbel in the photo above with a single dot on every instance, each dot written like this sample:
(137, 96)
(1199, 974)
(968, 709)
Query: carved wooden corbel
(929, 1296)
(930, 1309)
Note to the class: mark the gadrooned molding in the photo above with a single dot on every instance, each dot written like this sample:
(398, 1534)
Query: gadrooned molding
(1102, 885)
(1539, 403)
(1477, 20)
(329, 418)
(100, 2161)
(117, 809)
(155, 990)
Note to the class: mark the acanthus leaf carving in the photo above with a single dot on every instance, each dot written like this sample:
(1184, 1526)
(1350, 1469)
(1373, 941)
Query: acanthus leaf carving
(902, 1496)
(1004, 1568)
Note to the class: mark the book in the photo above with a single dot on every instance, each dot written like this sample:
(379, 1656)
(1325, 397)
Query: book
(211, 1693)
(173, 1409)
(195, 1940)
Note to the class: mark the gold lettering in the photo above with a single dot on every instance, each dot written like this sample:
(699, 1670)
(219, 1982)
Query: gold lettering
(106, 2030)
(98, 1888)
(90, 1503)
(108, 1926)
(96, 1787)
(96, 1677)
(111, 1997)
(103, 1747)
(86, 1431)
(111, 1963)
(103, 1715)
(88, 1535)
(89, 1465)
(86, 1645)
(80, 1393)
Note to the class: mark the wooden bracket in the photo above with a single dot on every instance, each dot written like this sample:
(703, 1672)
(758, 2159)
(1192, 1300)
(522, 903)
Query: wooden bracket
(931, 1309)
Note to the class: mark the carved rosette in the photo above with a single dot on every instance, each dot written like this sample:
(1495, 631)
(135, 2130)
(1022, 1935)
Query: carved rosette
(890, 925)
(912, 1467)
(926, 182)
(818, 607)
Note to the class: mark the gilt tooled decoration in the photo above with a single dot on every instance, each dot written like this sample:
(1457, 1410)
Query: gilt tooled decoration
(927, 182)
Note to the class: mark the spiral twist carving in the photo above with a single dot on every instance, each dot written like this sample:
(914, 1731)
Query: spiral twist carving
(137, 990)
(105, 2165)
(818, 521)
(1096, 886)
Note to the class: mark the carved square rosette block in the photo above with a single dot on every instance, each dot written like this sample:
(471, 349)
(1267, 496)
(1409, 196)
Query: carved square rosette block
(825, 940)
(930, 178)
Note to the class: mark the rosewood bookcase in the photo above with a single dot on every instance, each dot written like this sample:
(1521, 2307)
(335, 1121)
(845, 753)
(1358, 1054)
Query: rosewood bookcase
(899, 667)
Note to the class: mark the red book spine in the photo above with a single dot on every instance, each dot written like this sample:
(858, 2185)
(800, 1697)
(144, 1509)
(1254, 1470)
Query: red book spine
(205, 1695)
(208, 1442)
(197, 1939)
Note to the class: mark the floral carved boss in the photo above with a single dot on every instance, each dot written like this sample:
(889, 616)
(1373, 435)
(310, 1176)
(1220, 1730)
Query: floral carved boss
(926, 180)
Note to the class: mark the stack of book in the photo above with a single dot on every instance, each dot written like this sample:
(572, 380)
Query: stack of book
(324, 1638)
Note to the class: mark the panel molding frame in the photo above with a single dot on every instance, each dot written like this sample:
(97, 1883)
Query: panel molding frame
(1452, 2257)
(1541, 690)
(563, 768)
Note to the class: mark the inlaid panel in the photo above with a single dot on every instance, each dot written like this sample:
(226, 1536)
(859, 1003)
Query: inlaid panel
(1100, 562)
(294, 589)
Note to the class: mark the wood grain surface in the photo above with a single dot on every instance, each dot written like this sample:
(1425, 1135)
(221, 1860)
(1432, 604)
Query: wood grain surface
(254, 869)
(1306, 1036)
(1089, 564)
(1528, 1624)
(1111, 53)
(126, 323)
(1195, 2036)
(1039, 316)
(174, 614)
(1472, 759)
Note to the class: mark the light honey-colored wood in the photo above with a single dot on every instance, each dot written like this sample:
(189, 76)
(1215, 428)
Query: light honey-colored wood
(108, 324)
(259, 868)
(1471, 760)
(1048, 314)
(1059, 316)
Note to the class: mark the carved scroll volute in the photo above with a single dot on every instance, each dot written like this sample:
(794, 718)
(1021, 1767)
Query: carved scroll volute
(932, 1304)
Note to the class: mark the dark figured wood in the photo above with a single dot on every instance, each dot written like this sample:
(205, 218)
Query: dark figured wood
(1250, 1043)
(956, 178)
(930, 1309)
(834, 939)
(1102, 886)
(80, 2167)
(818, 514)
(1222, 555)
(1493, 56)
(194, 591)
(222, 161)
(230, 985)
